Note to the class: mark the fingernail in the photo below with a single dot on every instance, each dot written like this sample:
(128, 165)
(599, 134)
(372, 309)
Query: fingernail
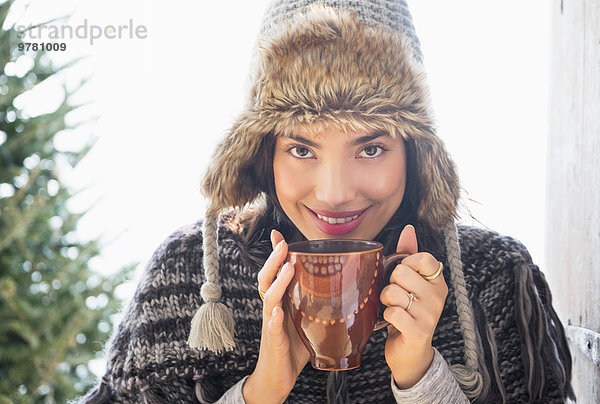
(272, 232)
(410, 225)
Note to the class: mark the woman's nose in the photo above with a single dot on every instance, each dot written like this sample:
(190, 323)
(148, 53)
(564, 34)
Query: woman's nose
(334, 185)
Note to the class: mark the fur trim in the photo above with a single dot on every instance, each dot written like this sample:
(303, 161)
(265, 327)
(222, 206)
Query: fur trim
(325, 67)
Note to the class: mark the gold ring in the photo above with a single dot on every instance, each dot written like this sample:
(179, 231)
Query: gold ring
(434, 275)
(261, 293)
(410, 302)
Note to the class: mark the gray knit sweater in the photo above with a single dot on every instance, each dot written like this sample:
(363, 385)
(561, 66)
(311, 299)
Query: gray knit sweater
(522, 340)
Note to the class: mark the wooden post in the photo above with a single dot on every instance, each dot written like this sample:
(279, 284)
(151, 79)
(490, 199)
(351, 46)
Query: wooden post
(573, 190)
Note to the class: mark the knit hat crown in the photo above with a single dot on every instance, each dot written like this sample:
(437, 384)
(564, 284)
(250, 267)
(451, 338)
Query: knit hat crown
(356, 65)
(390, 14)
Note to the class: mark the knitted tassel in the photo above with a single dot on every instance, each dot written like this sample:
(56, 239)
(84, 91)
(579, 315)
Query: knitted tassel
(493, 389)
(337, 388)
(542, 338)
(468, 375)
(212, 326)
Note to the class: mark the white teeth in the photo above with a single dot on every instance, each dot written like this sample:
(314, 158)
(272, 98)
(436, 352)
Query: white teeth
(332, 220)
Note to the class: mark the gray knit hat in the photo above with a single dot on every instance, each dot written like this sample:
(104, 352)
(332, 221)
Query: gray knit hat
(356, 65)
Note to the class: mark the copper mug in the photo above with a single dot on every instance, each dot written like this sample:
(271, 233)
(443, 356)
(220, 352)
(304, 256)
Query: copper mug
(333, 298)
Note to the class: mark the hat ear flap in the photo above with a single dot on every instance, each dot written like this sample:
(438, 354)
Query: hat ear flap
(439, 184)
(230, 180)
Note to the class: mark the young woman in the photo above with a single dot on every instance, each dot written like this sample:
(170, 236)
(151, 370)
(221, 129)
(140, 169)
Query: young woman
(337, 141)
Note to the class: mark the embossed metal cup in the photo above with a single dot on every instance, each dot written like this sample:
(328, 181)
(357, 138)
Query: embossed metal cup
(333, 299)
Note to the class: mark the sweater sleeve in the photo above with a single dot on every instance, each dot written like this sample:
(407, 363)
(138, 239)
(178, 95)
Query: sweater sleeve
(232, 396)
(436, 387)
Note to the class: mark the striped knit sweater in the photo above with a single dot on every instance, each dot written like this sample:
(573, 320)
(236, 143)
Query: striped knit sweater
(527, 358)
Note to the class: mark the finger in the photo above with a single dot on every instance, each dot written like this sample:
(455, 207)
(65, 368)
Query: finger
(273, 343)
(400, 319)
(271, 266)
(424, 264)
(277, 289)
(409, 279)
(276, 237)
(275, 324)
(407, 242)
(411, 330)
(394, 295)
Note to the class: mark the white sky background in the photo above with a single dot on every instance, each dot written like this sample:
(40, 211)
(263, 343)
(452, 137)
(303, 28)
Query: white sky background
(163, 101)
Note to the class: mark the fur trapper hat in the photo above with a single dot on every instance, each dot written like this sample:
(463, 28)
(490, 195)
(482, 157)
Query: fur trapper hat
(356, 65)
(324, 66)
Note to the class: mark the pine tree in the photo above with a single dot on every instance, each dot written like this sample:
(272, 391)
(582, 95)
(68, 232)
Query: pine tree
(55, 312)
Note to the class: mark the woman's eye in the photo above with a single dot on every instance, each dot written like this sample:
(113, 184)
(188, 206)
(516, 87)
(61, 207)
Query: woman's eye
(372, 151)
(300, 152)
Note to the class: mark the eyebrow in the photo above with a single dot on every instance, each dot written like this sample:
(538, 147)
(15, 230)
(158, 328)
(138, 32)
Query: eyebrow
(302, 139)
(358, 141)
(368, 138)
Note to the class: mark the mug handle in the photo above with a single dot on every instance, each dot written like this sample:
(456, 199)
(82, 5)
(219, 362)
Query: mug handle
(388, 261)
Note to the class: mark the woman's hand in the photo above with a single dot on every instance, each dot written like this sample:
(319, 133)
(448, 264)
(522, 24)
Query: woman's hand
(408, 350)
(282, 355)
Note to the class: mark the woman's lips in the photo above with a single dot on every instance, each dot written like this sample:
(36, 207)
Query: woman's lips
(337, 222)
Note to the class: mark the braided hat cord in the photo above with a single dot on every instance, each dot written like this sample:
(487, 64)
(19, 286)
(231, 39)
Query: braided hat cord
(468, 375)
(212, 327)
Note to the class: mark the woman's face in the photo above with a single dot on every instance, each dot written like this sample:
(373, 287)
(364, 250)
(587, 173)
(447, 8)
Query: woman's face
(339, 185)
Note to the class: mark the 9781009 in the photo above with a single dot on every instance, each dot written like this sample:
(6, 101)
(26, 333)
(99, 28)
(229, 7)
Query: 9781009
(43, 46)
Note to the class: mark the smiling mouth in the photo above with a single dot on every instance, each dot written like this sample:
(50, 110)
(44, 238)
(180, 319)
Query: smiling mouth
(337, 223)
(340, 220)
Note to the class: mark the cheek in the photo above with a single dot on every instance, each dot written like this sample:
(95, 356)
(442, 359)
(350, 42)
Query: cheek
(389, 182)
(290, 183)
(384, 188)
